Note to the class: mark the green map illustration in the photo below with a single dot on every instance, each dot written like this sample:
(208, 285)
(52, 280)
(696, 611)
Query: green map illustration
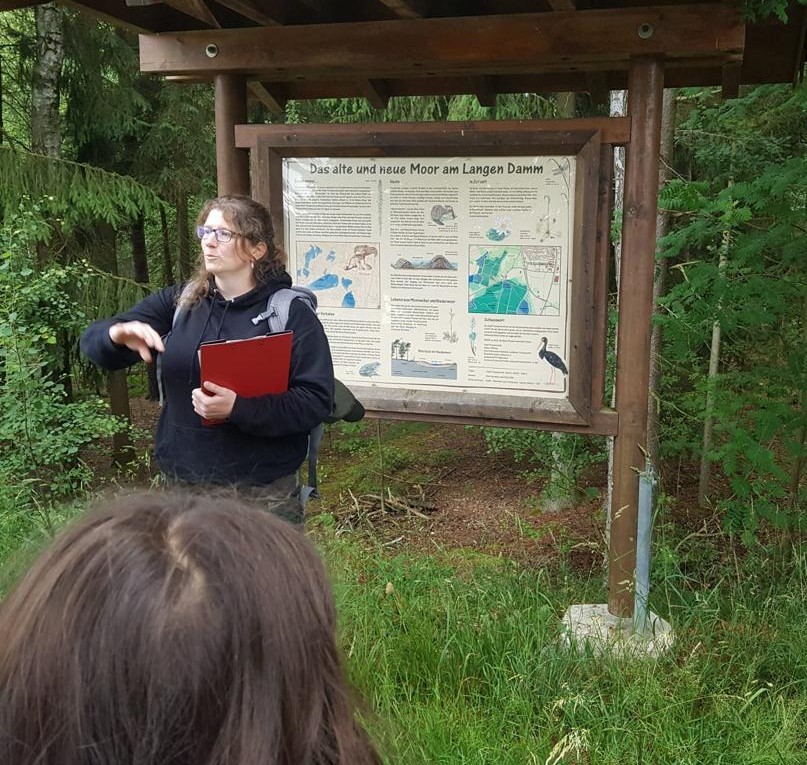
(517, 279)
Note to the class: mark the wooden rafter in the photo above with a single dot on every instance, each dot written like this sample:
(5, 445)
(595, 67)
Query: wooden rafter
(198, 9)
(407, 9)
(260, 13)
(273, 101)
(562, 5)
(710, 35)
(376, 92)
(484, 88)
(730, 84)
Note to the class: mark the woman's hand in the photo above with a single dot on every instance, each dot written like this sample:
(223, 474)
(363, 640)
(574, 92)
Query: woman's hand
(137, 336)
(213, 402)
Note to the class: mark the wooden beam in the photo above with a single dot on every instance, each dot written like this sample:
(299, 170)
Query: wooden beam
(376, 92)
(730, 84)
(645, 98)
(469, 46)
(260, 13)
(232, 163)
(598, 90)
(407, 9)
(484, 88)
(197, 9)
(275, 103)
(515, 136)
(562, 5)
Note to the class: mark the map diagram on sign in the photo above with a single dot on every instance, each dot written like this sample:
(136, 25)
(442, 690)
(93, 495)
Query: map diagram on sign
(522, 280)
(342, 274)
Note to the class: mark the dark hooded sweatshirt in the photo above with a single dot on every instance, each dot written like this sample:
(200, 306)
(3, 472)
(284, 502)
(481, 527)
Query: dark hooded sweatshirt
(265, 437)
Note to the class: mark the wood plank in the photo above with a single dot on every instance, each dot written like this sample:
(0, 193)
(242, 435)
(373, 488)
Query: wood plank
(633, 331)
(513, 135)
(266, 13)
(603, 423)
(468, 45)
(232, 163)
(407, 9)
(602, 251)
(484, 88)
(197, 9)
(144, 19)
(730, 85)
(376, 92)
(274, 102)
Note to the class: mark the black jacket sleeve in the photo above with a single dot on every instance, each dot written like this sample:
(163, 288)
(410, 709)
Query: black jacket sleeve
(157, 310)
(310, 395)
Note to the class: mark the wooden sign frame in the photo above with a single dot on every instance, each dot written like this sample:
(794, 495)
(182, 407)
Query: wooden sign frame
(270, 144)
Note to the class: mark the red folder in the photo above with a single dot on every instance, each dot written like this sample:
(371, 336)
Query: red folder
(252, 367)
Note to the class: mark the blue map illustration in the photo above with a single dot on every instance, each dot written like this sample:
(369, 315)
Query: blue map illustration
(342, 274)
(516, 280)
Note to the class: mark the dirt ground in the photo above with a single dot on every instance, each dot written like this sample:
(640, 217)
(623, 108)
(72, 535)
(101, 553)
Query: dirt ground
(478, 504)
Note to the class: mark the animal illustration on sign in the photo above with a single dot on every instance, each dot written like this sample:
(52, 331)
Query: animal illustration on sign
(554, 361)
(442, 213)
(359, 257)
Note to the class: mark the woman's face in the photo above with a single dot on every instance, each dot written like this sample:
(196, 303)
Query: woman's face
(229, 259)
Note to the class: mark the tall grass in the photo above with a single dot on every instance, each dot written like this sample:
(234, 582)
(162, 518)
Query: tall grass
(458, 659)
(460, 665)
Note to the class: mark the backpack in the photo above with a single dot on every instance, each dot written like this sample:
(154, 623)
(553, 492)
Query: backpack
(345, 405)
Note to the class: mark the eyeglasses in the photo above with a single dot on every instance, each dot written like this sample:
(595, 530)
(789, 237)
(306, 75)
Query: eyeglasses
(223, 235)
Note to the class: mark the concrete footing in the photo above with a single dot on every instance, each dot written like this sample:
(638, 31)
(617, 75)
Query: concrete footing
(591, 627)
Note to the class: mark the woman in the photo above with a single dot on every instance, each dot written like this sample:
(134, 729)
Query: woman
(259, 443)
(175, 629)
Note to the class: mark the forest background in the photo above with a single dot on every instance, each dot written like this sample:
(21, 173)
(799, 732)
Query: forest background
(102, 172)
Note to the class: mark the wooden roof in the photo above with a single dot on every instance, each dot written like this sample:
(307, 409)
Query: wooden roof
(299, 49)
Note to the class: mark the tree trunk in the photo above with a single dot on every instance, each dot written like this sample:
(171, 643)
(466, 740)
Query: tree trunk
(104, 255)
(140, 266)
(184, 260)
(2, 123)
(140, 263)
(46, 135)
(618, 108)
(659, 283)
(797, 468)
(168, 266)
(714, 365)
(558, 493)
(46, 138)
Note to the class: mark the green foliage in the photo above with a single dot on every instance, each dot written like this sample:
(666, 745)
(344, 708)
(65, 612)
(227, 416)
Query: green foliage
(746, 206)
(420, 109)
(557, 458)
(71, 192)
(42, 433)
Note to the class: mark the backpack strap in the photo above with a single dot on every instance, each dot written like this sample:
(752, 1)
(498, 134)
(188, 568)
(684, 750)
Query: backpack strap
(277, 316)
(279, 304)
(159, 363)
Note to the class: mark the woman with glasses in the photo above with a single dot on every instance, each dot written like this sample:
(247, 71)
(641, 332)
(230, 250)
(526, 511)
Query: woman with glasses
(257, 444)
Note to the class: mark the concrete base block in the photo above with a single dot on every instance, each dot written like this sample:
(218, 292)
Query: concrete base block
(591, 627)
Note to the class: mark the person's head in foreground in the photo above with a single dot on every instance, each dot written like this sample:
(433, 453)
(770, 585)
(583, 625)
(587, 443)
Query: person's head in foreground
(175, 629)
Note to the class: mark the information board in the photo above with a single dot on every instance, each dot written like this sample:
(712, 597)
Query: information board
(438, 273)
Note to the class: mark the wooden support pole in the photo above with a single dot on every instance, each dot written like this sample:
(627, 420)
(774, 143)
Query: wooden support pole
(645, 94)
(232, 163)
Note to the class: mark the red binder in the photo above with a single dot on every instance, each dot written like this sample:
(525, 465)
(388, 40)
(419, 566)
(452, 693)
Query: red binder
(252, 367)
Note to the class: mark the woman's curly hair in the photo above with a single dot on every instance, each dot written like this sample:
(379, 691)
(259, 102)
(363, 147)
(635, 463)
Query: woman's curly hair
(252, 221)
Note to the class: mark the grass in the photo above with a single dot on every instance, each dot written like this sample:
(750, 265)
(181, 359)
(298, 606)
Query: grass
(456, 652)
(461, 665)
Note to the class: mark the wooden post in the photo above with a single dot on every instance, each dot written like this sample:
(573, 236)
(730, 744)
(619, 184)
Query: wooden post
(645, 94)
(231, 109)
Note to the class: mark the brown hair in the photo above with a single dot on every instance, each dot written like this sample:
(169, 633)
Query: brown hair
(252, 221)
(175, 629)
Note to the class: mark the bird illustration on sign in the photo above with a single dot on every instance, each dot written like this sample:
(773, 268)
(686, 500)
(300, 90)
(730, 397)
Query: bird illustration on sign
(552, 358)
